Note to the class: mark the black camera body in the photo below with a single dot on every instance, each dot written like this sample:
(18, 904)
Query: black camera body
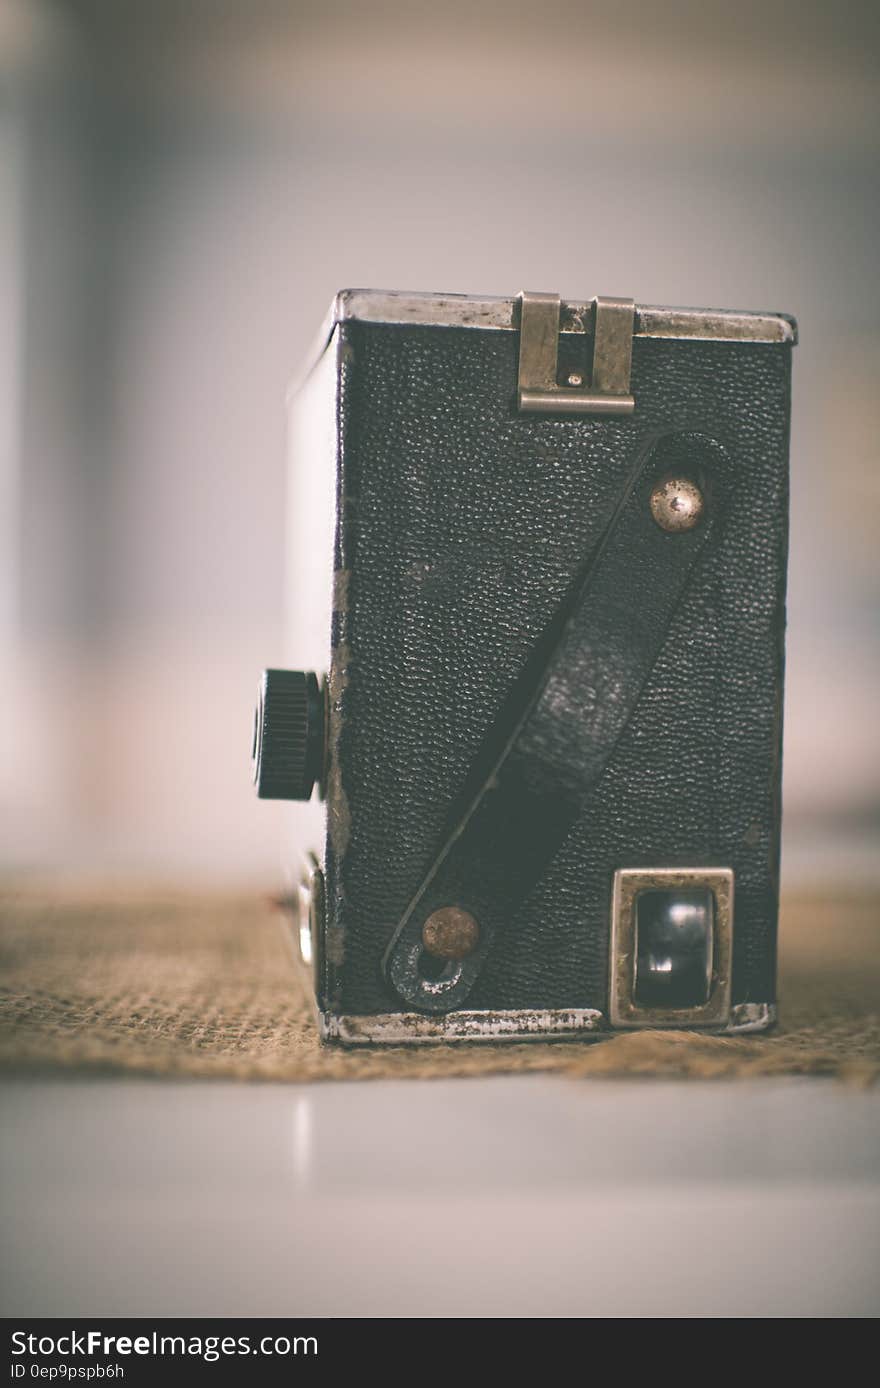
(544, 546)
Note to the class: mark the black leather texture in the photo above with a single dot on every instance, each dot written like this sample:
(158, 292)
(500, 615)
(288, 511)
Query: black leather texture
(461, 528)
(563, 720)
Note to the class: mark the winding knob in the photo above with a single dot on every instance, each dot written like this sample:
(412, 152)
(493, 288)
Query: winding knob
(288, 746)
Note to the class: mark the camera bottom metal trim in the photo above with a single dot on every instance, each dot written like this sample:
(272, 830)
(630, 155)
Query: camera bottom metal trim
(554, 1024)
(394, 1028)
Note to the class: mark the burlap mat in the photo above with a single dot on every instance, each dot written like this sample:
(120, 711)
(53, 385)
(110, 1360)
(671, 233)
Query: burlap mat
(177, 985)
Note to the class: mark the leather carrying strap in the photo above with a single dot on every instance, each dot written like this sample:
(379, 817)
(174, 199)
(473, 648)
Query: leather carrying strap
(549, 748)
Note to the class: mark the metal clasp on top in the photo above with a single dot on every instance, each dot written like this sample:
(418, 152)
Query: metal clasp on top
(538, 390)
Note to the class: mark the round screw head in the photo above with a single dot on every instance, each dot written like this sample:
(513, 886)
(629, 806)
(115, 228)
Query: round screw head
(450, 933)
(677, 504)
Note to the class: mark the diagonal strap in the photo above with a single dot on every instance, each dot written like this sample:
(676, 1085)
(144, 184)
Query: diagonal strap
(547, 753)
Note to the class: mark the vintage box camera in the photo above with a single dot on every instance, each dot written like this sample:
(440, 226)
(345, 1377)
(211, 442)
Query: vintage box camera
(543, 545)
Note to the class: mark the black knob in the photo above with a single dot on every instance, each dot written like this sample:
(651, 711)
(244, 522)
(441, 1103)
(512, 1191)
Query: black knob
(288, 750)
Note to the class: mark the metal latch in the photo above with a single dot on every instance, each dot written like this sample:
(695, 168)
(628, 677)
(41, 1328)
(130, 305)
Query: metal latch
(538, 390)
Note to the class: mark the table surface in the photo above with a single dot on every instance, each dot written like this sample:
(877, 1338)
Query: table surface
(512, 1196)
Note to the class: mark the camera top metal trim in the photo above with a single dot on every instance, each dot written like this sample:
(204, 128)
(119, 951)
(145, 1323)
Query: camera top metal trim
(400, 308)
(465, 311)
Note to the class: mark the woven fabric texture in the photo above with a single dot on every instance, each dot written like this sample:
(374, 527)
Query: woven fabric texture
(205, 986)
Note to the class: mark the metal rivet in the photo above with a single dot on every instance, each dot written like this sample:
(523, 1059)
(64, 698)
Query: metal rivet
(676, 503)
(450, 933)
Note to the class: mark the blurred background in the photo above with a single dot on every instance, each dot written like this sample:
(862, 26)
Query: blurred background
(184, 185)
